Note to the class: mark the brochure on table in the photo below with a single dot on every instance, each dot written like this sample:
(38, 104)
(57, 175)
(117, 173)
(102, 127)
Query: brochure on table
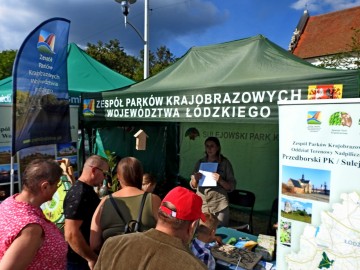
(319, 185)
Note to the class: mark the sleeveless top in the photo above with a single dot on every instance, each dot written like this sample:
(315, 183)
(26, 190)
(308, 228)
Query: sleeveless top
(14, 216)
(112, 224)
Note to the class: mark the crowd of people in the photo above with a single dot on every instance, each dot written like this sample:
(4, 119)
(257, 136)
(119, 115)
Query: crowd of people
(177, 228)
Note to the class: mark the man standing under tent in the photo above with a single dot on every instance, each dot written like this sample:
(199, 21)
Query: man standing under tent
(79, 206)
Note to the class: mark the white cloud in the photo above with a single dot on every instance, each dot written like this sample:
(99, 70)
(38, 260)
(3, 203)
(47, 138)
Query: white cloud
(322, 6)
(94, 20)
(177, 24)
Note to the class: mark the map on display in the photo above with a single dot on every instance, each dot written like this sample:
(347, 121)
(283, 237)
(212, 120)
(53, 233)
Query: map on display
(335, 244)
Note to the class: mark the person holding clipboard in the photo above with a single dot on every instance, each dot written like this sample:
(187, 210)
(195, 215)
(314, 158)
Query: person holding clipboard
(212, 179)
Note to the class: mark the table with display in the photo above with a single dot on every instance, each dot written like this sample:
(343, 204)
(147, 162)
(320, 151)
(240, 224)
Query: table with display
(229, 234)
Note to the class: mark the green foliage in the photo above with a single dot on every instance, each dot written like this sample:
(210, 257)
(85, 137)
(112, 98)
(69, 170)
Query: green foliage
(335, 119)
(111, 157)
(285, 232)
(113, 56)
(299, 215)
(7, 59)
(284, 237)
(163, 59)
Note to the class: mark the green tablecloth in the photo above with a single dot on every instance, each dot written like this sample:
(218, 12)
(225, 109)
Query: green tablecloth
(227, 233)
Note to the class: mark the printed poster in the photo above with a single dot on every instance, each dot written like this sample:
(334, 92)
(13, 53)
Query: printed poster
(40, 87)
(319, 185)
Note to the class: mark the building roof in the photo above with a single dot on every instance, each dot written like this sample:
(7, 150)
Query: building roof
(327, 34)
(295, 183)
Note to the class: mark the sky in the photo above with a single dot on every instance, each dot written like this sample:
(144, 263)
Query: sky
(295, 204)
(176, 24)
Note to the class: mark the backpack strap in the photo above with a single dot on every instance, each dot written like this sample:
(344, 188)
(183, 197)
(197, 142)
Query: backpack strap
(140, 211)
(112, 200)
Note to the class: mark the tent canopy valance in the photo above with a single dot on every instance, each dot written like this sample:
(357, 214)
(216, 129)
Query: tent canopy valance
(238, 81)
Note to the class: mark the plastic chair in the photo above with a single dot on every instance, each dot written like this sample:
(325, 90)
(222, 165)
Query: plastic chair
(271, 230)
(243, 200)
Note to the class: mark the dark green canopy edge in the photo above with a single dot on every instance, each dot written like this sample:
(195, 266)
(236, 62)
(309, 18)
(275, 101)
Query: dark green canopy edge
(236, 82)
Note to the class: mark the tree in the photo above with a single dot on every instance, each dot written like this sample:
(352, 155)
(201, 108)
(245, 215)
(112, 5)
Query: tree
(162, 59)
(157, 62)
(113, 56)
(7, 59)
(345, 60)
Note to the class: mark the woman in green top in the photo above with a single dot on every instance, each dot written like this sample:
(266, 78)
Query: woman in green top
(106, 222)
(215, 198)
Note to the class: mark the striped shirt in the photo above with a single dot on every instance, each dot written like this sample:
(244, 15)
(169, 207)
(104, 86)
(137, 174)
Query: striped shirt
(201, 250)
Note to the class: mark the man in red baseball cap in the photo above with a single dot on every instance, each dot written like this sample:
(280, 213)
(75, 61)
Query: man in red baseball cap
(166, 246)
(183, 204)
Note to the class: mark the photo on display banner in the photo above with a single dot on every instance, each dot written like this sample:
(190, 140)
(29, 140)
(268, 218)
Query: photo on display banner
(296, 210)
(5, 165)
(285, 232)
(306, 183)
(66, 149)
(42, 152)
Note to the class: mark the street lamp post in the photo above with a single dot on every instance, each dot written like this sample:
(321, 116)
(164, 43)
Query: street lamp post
(125, 5)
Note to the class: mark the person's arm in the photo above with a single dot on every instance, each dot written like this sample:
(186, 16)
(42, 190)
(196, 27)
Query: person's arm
(25, 246)
(77, 241)
(194, 182)
(229, 183)
(96, 240)
(195, 177)
(226, 185)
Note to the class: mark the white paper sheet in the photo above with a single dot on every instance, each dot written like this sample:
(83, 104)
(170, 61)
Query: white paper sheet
(207, 169)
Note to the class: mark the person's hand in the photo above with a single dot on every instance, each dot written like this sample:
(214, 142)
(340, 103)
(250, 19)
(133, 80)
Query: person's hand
(218, 240)
(197, 176)
(216, 177)
(91, 264)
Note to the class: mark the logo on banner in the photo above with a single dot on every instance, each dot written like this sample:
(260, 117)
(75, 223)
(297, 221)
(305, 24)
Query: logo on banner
(40, 87)
(340, 122)
(89, 107)
(46, 42)
(331, 91)
(340, 119)
(314, 119)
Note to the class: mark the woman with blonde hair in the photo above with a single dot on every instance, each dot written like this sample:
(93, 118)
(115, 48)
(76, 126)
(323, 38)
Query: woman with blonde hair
(106, 221)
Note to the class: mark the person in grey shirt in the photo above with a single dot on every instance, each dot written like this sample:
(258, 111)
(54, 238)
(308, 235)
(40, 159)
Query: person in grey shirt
(215, 198)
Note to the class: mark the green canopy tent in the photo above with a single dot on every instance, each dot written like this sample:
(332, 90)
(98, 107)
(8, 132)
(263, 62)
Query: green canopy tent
(228, 90)
(6, 90)
(85, 74)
